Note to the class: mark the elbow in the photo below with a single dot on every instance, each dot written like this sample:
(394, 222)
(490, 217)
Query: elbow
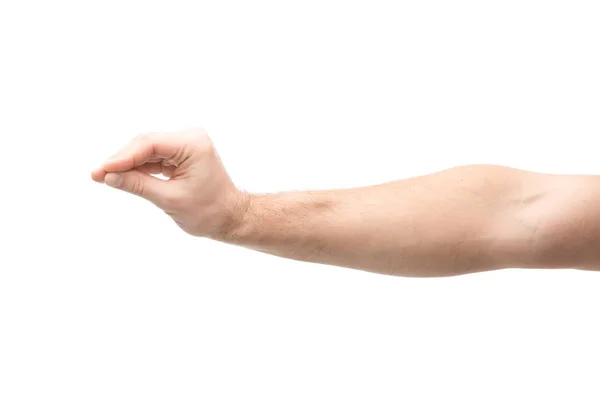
(558, 228)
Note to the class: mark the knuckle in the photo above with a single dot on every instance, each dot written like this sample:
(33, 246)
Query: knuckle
(143, 138)
(206, 146)
(199, 136)
(201, 148)
(197, 132)
(208, 150)
(137, 186)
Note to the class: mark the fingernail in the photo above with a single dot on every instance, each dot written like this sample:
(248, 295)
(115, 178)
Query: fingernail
(112, 158)
(113, 180)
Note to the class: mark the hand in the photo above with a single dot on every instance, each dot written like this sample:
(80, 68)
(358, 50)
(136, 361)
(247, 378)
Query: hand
(198, 194)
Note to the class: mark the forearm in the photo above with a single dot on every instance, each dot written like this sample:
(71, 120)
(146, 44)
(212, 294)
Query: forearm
(461, 220)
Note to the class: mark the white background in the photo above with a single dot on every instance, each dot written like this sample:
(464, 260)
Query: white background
(102, 297)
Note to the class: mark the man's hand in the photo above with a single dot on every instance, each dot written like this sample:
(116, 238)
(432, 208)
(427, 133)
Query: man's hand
(198, 193)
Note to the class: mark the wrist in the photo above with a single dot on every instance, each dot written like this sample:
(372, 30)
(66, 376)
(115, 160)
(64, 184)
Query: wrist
(235, 217)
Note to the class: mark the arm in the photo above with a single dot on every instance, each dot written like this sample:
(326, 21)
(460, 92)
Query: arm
(460, 220)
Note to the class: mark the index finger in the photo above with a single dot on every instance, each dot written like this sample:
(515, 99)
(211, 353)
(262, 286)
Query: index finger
(142, 149)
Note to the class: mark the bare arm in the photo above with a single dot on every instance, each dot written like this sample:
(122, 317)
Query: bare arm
(460, 220)
(464, 219)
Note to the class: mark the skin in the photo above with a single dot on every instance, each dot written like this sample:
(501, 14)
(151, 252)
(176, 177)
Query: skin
(465, 219)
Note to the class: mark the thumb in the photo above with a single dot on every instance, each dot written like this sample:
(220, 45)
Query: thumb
(140, 184)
